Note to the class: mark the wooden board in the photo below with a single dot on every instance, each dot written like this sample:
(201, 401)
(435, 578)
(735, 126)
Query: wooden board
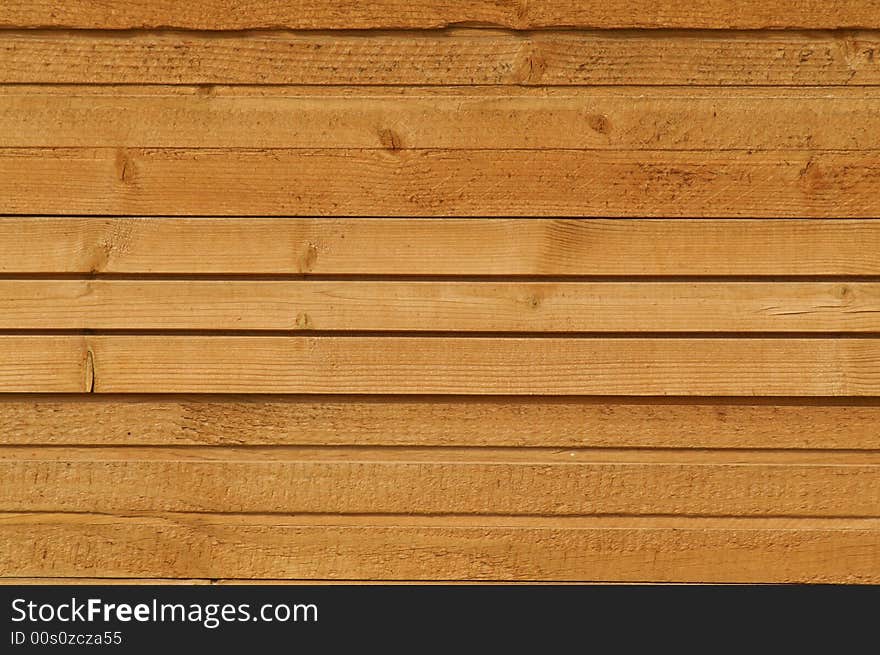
(558, 422)
(434, 481)
(637, 366)
(394, 182)
(493, 291)
(459, 56)
(440, 306)
(45, 364)
(447, 246)
(449, 365)
(350, 14)
(406, 118)
(524, 549)
(113, 581)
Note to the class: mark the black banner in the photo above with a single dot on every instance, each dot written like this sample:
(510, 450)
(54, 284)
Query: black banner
(407, 618)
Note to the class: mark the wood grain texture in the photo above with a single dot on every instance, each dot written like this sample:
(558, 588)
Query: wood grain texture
(559, 422)
(426, 365)
(47, 363)
(448, 306)
(462, 365)
(517, 14)
(393, 182)
(444, 246)
(404, 118)
(268, 313)
(433, 481)
(261, 547)
(113, 581)
(461, 56)
(239, 581)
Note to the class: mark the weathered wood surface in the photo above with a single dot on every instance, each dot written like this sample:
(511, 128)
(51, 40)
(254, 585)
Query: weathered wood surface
(480, 548)
(395, 182)
(461, 56)
(478, 421)
(420, 14)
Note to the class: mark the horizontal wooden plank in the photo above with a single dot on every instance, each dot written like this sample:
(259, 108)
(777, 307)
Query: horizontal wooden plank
(452, 306)
(460, 56)
(466, 455)
(315, 14)
(430, 365)
(434, 365)
(444, 246)
(112, 581)
(560, 422)
(258, 547)
(834, 367)
(394, 482)
(244, 581)
(393, 182)
(406, 118)
(47, 364)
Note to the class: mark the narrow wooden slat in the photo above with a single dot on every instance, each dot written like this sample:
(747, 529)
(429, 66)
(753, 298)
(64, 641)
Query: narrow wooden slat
(259, 547)
(562, 422)
(112, 581)
(808, 184)
(46, 364)
(440, 117)
(440, 246)
(452, 306)
(239, 581)
(350, 14)
(456, 365)
(431, 482)
(463, 56)
(432, 454)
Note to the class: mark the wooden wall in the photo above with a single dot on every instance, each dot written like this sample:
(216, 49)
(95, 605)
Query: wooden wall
(440, 290)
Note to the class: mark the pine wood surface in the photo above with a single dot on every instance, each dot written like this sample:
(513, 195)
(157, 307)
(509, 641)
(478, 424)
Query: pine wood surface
(439, 291)
(446, 246)
(440, 306)
(442, 182)
(821, 424)
(349, 14)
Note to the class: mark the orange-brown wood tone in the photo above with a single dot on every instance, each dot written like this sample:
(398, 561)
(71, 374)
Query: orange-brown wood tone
(455, 291)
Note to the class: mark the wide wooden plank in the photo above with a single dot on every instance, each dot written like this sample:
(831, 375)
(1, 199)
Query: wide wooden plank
(350, 14)
(439, 246)
(463, 56)
(433, 481)
(394, 182)
(440, 117)
(462, 365)
(506, 548)
(452, 306)
(47, 363)
(560, 422)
